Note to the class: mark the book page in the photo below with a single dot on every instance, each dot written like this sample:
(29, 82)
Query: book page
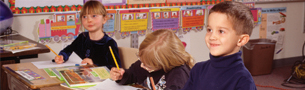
(101, 72)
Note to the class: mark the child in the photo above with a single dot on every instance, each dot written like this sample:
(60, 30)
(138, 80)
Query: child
(161, 56)
(229, 27)
(92, 46)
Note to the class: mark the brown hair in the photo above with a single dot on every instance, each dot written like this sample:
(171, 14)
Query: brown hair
(239, 15)
(162, 49)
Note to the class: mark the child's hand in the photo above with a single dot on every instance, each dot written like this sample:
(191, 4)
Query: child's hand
(116, 74)
(59, 59)
(88, 61)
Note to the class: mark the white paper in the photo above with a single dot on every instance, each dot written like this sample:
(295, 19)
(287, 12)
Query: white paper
(73, 59)
(111, 85)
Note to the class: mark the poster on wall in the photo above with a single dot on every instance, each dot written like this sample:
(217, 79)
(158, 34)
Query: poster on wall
(144, 1)
(257, 15)
(110, 2)
(110, 24)
(165, 18)
(64, 27)
(134, 20)
(273, 26)
(192, 18)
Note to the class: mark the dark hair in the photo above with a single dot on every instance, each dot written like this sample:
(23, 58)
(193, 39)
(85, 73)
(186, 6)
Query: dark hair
(239, 14)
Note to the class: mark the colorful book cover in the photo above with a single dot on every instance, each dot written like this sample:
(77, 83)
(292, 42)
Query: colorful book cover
(56, 72)
(29, 74)
(85, 76)
(57, 69)
(8, 44)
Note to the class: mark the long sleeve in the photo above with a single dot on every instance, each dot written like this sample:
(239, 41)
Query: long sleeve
(67, 51)
(245, 83)
(134, 74)
(177, 77)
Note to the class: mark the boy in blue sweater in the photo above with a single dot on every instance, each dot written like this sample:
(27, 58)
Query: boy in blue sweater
(229, 27)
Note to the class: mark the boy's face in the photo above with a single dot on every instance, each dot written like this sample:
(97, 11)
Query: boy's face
(221, 38)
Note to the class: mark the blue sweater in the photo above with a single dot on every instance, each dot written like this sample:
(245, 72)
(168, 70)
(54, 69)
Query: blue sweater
(220, 73)
(98, 51)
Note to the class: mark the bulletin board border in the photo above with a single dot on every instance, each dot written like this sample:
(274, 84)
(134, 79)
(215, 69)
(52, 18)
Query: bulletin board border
(65, 8)
(42, 9)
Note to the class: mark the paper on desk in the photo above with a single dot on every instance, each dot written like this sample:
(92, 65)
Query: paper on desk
(111, 85)
(73, 59)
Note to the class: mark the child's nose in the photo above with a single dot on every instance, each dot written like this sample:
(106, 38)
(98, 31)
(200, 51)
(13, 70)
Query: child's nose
(89, 19)
(213, 36)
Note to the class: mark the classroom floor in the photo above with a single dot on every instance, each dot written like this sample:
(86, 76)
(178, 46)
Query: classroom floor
(274, 80)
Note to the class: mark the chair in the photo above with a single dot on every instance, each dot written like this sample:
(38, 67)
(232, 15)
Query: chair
(127, 56)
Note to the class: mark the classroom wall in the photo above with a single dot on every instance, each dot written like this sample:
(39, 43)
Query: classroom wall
(294, 36)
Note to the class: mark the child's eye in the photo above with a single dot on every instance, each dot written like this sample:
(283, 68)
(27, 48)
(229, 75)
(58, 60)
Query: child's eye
(221, 31)
(93, 15)
(209, 30)
(84, 16)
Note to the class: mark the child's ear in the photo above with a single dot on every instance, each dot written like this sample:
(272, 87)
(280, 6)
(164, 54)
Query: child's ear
(105, 19)
(244, 38)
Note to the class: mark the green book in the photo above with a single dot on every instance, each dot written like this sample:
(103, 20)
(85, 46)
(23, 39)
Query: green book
(49, 72)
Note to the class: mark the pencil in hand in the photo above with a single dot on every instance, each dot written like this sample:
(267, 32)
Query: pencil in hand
(116, 63)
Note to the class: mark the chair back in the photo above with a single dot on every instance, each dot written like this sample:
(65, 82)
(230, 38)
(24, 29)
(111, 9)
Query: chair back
(127, 56)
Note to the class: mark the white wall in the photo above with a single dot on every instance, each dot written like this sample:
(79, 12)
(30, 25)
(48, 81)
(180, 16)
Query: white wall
(294, 36)
(27, 26)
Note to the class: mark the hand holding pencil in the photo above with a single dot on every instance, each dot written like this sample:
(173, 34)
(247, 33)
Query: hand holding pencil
(116, 74)
(59, 59)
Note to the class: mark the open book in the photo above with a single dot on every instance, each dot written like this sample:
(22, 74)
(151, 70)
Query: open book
(85, 76)
(54, 72)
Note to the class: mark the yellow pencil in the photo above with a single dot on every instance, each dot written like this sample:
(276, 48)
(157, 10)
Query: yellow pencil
(114, 58)
(52, 50)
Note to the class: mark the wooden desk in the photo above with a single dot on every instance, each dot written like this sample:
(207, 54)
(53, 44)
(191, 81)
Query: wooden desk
(7, 57)
(6, 54)
(16, 82)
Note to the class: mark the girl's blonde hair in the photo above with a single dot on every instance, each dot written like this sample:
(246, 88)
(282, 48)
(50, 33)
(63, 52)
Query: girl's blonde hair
(93, 7)
(162, 49)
